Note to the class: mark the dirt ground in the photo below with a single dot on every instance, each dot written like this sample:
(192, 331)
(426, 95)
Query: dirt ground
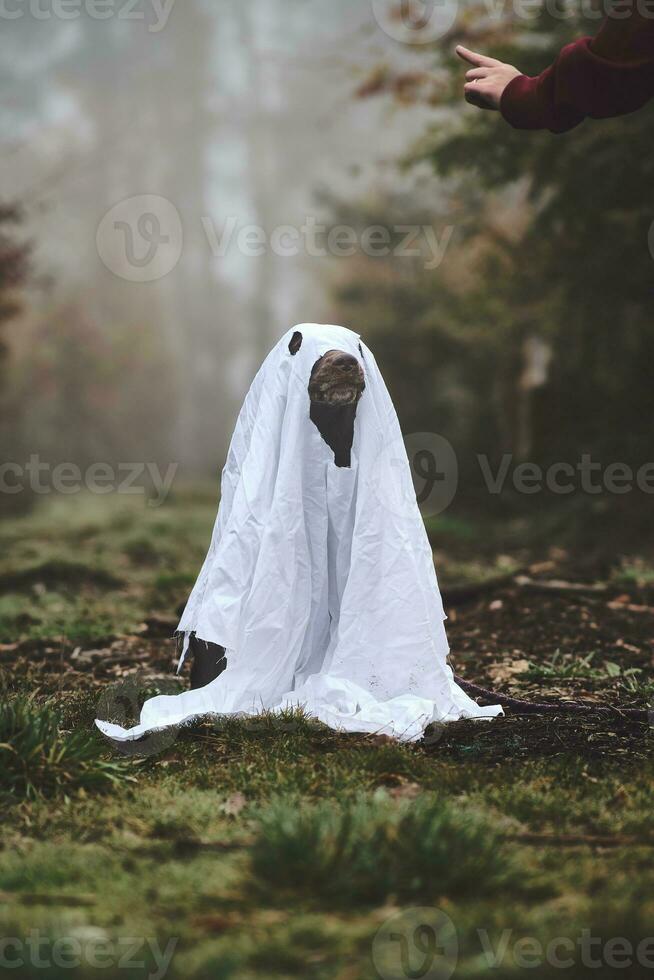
(242, 842)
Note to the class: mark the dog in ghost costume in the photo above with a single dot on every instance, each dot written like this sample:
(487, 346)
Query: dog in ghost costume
(318, 589)
(335, 386)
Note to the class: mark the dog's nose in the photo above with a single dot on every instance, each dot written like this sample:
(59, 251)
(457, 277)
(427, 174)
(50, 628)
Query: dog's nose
(345, 362)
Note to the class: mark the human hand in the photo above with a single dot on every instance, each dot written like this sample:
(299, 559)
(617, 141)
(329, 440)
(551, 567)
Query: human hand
(487, 80)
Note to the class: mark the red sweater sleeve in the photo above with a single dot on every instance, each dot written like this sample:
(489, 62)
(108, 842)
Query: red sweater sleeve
(582, 83)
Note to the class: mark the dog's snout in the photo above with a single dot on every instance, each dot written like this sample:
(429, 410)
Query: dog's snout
(345, 362)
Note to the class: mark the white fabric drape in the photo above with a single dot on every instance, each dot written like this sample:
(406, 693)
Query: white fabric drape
(319, 580)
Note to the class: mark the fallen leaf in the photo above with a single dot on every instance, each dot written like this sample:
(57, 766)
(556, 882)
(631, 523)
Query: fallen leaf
(542, 566)
(507, 670)
(629, 607)
(626, 646)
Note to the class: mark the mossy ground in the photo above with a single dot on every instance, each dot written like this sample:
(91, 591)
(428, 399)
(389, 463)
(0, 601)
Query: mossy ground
(277, 848)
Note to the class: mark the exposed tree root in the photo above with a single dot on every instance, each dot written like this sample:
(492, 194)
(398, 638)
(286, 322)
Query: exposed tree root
(522, 707)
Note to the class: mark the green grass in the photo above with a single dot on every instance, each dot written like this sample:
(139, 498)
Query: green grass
(38, 758)
(366, 851)
(90, 568)
(565, 667)
(274, 847)
(635, 571)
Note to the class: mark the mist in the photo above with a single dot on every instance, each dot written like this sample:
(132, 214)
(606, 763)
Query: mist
(209, 133)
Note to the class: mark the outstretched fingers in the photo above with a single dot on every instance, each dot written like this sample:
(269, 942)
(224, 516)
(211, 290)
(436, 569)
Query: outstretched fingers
(478, 73)
(474, 58)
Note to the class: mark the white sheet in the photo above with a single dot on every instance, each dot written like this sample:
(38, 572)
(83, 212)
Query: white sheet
(319, 580)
